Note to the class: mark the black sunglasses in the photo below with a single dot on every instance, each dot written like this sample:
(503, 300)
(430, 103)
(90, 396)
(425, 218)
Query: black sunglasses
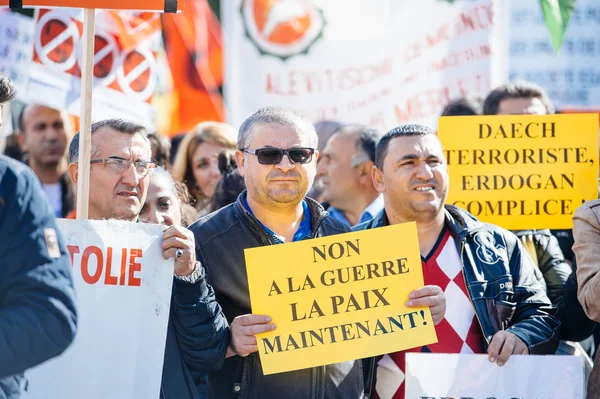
(272, 156)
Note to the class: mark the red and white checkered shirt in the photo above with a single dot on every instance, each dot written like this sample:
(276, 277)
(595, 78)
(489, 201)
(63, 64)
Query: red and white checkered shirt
(458, 332)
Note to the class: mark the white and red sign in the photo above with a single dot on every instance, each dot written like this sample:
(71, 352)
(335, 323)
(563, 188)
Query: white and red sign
(123, 288)
(382, 62)
(124, 63)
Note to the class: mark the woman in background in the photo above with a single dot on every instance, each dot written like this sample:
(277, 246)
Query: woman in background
(196, 160)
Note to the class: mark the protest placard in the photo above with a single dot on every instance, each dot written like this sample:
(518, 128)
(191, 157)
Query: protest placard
(338, 298)
(142, 5)
(445, 376)
(123, 287)
(522, 171)
(16, 39)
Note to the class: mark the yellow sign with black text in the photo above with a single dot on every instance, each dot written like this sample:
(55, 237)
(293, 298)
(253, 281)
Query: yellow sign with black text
(338, 298)
(522, 171)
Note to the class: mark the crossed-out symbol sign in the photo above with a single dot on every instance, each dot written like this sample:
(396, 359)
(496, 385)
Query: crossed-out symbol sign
(136, 74)
(58, 45)
(57, 50)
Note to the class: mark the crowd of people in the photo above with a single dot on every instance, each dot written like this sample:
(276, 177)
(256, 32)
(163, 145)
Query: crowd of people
(279, 179)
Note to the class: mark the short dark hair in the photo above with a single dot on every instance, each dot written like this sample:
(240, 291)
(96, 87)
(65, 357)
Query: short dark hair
(231, 184)
(120, 125)
(162, 146)
(517, 89)
(467, 105)
(400, 131)
(8, 92)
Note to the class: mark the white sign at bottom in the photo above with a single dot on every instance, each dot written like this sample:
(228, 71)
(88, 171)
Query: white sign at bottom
(435, 376)
(123, 289)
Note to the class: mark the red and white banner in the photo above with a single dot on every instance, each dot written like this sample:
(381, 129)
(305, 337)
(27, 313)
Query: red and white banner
(381, 62)
(124, 63)
(123, 286)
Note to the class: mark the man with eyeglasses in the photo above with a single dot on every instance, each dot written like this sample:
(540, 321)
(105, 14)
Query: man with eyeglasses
(276, 156)
(345, 171)
(197, 334)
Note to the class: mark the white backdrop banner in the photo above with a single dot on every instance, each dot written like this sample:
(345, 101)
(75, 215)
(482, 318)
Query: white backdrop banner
(571, 77)
(381, 62)
(433, 376)
(123, 288)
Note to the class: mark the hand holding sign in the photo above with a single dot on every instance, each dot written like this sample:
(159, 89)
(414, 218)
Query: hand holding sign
(431, 296)
(338, 298)
(503, 345)
(179, 238)
(243, 331)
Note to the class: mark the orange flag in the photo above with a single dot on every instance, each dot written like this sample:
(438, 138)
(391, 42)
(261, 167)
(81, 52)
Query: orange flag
(194, 50)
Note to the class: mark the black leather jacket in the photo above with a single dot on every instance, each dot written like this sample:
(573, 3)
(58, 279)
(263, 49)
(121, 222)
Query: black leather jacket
(221, 238)
(505, 287)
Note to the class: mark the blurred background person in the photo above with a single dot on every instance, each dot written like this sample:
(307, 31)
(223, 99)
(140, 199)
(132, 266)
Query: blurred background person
(44, 134)
(344, 170)
(325, 129)
(196, 160)
(161, 150)
(167, 201)
(231, 184)
(464, 106)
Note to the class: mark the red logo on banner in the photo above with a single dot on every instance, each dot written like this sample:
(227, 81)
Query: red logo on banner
(58, 46)
(282, 28)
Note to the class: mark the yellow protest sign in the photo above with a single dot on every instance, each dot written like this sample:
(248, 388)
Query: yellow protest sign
(338, 298)
(522, 171)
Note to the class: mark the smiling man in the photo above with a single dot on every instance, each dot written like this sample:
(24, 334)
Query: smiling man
(496, 305)
(277, 157)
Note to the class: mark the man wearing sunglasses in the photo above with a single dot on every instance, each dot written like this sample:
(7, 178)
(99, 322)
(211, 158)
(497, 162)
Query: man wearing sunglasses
(276, 156)
(197, 334)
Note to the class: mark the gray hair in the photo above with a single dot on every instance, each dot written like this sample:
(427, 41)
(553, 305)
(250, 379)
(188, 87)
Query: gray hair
(280, 116)
(120, 125)
(366, 142)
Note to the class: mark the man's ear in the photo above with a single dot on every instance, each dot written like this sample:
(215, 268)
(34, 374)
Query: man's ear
(240, 160)
(377, 177)
(20, 140)
(73, 172)
(366, 170)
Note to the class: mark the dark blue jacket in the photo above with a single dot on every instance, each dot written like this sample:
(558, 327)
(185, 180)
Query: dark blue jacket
(221, 238)
(37, 301)
(197, 340)
(504, 286)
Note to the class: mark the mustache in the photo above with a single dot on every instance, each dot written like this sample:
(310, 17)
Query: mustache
(289, 175)
(430, 181)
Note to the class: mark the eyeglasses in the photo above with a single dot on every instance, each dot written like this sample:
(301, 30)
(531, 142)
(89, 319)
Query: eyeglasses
(272, 156)
(118, 165)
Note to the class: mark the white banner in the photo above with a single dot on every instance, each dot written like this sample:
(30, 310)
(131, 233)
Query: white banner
(123, 288)
(433, 376)
(16, 40)
(381, 62)
(571, 78)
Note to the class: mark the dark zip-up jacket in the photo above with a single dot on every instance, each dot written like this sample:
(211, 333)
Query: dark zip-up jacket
(38, 317)
(221, 238)
(197, 340)
(504, 286)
